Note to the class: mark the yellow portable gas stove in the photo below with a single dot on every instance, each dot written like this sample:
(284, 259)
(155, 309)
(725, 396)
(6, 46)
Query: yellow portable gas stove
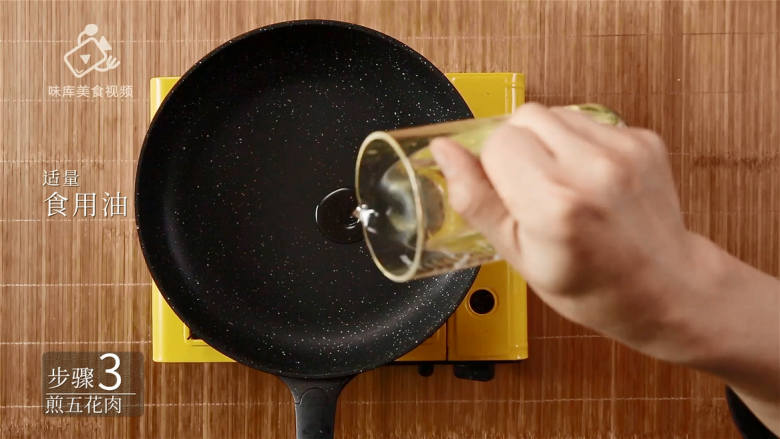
(490, 326)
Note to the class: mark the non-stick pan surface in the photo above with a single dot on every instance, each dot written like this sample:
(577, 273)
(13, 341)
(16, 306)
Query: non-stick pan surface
(236, 161)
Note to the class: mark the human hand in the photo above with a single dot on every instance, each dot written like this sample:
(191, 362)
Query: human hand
(586, 212)
(589, 215)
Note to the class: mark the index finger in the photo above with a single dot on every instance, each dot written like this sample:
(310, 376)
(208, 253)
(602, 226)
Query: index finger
(520, 168)
(570, 148)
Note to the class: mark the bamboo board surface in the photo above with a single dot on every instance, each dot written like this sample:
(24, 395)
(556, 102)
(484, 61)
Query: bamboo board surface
(704, 74)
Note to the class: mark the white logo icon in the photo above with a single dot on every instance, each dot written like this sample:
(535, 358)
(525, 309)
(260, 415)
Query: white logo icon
(90, 49)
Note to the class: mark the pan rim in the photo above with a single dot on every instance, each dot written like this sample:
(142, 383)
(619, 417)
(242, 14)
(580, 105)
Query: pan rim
(469, 275)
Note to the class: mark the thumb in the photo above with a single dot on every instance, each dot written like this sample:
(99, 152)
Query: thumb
(472, 195)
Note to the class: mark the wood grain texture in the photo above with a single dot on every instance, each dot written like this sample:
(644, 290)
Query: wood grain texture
(702, 73)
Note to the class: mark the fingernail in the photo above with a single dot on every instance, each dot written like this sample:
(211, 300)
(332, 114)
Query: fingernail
(440, 154)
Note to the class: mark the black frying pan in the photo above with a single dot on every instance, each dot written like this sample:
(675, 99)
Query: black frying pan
(233, 172)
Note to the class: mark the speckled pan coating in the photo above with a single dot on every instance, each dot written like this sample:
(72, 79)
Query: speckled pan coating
(232, 168)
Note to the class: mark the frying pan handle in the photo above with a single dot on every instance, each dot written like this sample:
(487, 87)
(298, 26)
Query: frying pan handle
(315, 405)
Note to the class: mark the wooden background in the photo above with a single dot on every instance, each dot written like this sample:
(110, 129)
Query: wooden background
(702, 73)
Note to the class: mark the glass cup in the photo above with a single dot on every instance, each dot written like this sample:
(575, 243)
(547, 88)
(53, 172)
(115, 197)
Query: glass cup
(408, 225)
